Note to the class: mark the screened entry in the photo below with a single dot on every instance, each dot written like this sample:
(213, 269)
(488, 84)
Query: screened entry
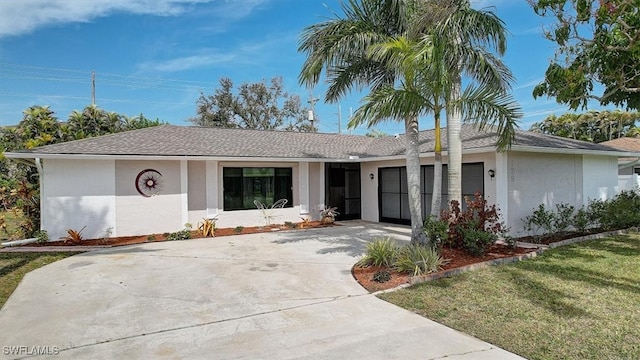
(393, 197)
(343, 189)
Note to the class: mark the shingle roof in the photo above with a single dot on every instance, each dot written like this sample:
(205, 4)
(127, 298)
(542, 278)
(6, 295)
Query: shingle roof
(171, 140)
(625, 143)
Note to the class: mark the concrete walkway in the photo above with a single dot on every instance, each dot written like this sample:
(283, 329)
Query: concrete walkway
(282, 295)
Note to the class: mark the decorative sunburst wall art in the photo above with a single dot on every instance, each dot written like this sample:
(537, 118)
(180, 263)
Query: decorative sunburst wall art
(149, 182)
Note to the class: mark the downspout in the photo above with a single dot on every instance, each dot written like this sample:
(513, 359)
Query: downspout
(38, 162)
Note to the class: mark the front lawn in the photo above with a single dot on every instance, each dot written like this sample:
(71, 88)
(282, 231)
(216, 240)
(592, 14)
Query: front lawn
(573, 302)
(14, 266)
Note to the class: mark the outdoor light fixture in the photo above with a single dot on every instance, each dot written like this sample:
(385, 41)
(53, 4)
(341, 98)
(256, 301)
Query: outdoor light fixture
(371, 176)
(492, 173)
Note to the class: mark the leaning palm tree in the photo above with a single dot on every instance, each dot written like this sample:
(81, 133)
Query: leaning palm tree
(339, 47)
(471, 38)
(426, 89)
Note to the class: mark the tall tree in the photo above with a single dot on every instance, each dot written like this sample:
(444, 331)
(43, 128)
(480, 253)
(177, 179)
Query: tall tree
(470, 39)
(255, 106)
(598, 43)
(593, 126)
(339, 47)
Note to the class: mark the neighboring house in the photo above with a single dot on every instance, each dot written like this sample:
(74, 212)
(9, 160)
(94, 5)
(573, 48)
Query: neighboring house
(628, 167)
(155, 180)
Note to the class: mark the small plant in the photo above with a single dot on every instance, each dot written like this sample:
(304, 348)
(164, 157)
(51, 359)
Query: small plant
(290, 225)
(208, 227)
(151, 238)
(563, 219)
(42, 236)
(183, 234)
(418, 260)
(330, 212)
(477, 217)
(74, 237)
(381, 276)
(306, 222)
(238, 229)
(436, 230)
(581, 221)
(477, 242)
(380, 252)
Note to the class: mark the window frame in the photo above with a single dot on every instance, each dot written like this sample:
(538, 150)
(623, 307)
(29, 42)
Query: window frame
(239, 200)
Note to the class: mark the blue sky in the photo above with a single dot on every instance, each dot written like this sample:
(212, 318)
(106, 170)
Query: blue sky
(156, 57)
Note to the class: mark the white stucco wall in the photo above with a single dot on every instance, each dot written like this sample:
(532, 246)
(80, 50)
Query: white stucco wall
(78, 194)
(600, 179)
(197, 191)
(139, 215)
(370, 211)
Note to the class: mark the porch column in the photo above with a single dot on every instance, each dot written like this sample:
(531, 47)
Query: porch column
(184, 191)
(213, 188)
(502, 185)
(303, 186)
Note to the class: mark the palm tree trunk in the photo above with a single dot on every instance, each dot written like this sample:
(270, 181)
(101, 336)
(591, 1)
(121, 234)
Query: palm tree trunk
(413, 180)
(436, 200)
(454, 144)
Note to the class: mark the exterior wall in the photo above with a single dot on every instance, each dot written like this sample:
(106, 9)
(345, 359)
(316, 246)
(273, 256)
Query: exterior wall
(78, 194)
(370, 211)
(197, 191)
(600, 177)
(535, 179)
(316, 190)
(139, 215)
(628, 182)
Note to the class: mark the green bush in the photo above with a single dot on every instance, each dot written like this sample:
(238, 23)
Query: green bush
(42, 236)
(380, 252)
(381, 276)
(418, 260)
(477, 217)
(437, 230)
(621, 212)
(540, 222)
(563, 219)
(238, 229)
(477, 242)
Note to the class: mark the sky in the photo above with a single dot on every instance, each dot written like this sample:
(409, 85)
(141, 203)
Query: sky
(156, 57)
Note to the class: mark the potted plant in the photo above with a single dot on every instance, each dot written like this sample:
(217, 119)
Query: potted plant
(328, 215)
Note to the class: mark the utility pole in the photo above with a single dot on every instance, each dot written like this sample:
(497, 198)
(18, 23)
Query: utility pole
(339, 119)
(93, 87)
(312, 101)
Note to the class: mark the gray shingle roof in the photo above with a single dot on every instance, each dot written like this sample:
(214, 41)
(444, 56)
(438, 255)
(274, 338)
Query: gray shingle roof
(171, 140)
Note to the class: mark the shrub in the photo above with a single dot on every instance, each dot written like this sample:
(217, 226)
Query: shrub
(581, 220)
(183, 234)
(436, 230)
(151, 238)
(477, 242)
(418, 260)
(540, 222)
(207, 227)
(563, 218)
(73, 236)
(478, 216)
(380, 252)
(621, 212)
(290, 225)
(238, 229)
(381, 276)
(42, 236)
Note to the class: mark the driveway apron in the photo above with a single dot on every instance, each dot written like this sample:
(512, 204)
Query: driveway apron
(279, 295)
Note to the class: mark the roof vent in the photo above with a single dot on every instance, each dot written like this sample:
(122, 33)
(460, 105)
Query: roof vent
(397, 136)
(353, 157)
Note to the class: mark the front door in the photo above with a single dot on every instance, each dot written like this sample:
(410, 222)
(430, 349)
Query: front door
(343, 189)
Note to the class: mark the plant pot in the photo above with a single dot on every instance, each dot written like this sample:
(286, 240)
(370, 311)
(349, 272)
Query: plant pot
(327, 220)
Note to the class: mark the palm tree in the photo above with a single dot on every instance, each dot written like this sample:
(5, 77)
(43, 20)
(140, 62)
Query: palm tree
(340, 46)
(469, 35)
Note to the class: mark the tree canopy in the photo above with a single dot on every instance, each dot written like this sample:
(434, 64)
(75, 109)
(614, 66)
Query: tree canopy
(598, 44)
(258, 105)
(593, 126)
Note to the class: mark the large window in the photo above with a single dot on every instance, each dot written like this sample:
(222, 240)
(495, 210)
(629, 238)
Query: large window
(244, 185)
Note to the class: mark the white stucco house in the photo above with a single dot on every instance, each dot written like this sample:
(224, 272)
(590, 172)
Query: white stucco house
(155, 180)
(628, 168)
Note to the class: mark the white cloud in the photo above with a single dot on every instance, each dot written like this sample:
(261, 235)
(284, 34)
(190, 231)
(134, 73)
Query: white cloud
(188, 62)
(23, 16)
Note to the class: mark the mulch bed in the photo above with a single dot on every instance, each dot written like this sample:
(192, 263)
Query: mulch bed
(456, 258)
(132, 240)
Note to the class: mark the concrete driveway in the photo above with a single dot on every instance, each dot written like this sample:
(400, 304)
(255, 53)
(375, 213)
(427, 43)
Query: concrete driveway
(282, 295)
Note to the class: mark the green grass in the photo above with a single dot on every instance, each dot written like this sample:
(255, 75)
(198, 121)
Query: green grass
(14, 266)
(573, 302)
(12, 221)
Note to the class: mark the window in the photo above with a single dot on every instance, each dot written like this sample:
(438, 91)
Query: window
(637, 171)
(244, 185)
